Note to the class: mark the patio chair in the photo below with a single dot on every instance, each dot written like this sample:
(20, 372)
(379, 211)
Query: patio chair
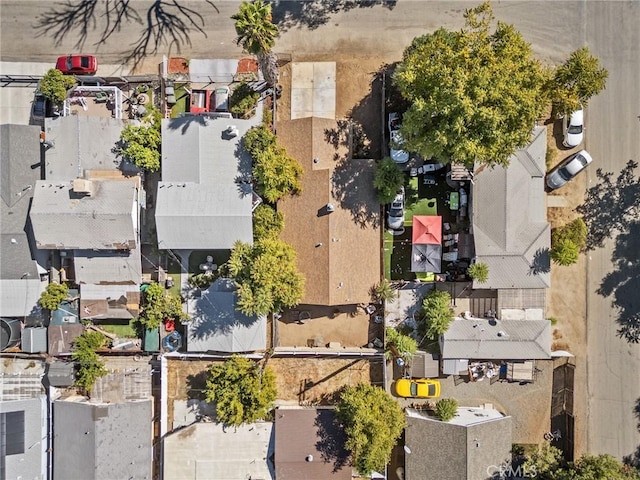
(101, 97)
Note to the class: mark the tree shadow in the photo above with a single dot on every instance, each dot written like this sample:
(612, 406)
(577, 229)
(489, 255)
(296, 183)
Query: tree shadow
(623, 284)
(312, 14)
(167, 23)
(633, 459)
(196, 385)
(331, 443)
(541, 262)
(611, 205)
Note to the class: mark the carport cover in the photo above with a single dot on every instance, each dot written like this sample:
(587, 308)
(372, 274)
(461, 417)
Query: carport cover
(426, 258)
(427, 229)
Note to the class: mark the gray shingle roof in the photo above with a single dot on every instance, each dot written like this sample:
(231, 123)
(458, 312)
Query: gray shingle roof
(108, 267)
(510, 229)
(102, 441)
(200, 202)
(216, 325)
(105, 220)
(446, 451)
(20, 149)
(480, 338)
(81, 143)
(34, 340)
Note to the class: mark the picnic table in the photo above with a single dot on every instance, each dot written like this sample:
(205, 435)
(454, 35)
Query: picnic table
(520, 371)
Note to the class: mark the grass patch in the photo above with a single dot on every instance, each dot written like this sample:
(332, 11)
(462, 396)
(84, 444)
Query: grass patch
(175, 290)
(181, 100)
(124, 330)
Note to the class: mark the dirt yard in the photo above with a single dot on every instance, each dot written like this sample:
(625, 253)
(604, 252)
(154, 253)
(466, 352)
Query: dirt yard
(315, 380)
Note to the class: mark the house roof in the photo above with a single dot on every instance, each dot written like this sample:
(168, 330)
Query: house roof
(61, 374)
(216, 325)
(301, 432)
(109, 301)
(451, 451)
(104, 220)
(195, 216)
(339, 252)
(510, 228)
(60, 338)
(81, 143)
(108, 267)
(34, 340)
(208, 450)
(109, 440)
(489, 339)
(20, 285)
(24, 428)
(202, 202)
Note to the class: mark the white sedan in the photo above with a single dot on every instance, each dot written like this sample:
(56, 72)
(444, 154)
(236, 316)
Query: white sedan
(573, 129)
(395, 214)
(568, 169)
(397, 154)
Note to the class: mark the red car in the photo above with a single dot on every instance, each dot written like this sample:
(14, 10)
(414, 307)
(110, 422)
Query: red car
(77, 64)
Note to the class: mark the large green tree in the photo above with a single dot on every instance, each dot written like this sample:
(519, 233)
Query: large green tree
(373, 422)
(267, 223)
(54, 85)
(53, 295)
(387, 180)
(266, 275)
(276, 173)
(437, 313)
(140, 144)
(475, 94)
(578, 79)
(89, 365)
(241, 390)
(158, 304)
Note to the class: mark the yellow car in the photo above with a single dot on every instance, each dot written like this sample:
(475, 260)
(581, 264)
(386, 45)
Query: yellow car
(418, 388)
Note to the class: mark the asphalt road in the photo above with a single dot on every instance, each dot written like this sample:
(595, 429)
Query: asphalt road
(609, 28)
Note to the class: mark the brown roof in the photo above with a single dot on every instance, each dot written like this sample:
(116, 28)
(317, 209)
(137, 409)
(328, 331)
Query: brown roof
(338, 252)
(310, 444)
(61, 337)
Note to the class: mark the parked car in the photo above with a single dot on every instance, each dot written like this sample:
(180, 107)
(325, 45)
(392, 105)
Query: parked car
(395, 214)
(200, 101)
(418, 388)
(221, 99)
(573, 129)
(39, 110)
(397, 154)
(77, 64)
(568, 169)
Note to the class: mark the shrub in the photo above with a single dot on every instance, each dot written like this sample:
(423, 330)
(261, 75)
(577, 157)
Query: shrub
(53, 296)
(201, 280)
(404, 345)
(277, 174)
(267, 223)
(383, 292)
(479, 272)
(565, 252)
(575, 231)
(446, 408)
(388, 180)
(437, 312)
(54, 85)
(89, 365)
(258, 140)
(243, 100)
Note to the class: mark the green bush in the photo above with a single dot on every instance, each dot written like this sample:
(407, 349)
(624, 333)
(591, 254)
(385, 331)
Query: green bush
(404, 345)
(446, 409)
(243, 101)
(565, 252)
(277, 174)
(89, 365)
(54, 85)
(437, 313)
(201, 280)
(258, 140)
(479, 272)
(53, 296)
(388, 180)
(575, 231)
(383, 292)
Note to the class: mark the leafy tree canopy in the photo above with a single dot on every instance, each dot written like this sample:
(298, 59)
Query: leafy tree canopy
(479, 271)
(140, 144)
(437, 312)
(576, 81)
(254, 27)
(387, 180)
(383, 292)
(258, 140)
(266, 275)
(474, 94)
(564, 252)
(243, 100)
(157, 304)
(54, 85)
(267, 223)
(575, 231)
(373, 423)
(404, 345)
(241, 391)
(53, 296)
(89, 365)
(277, 174)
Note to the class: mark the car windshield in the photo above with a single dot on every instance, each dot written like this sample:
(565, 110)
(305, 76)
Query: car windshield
(564, 173)
(575, 129)
(84, 61)
(395, 212)
(432, 390)
(414, 389)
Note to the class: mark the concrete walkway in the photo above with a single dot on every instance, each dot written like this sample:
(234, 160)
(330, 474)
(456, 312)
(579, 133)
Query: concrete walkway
(313, 90)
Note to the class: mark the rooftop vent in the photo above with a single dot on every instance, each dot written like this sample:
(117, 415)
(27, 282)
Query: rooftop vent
(82, 186)
(330, 207)
(309, 458)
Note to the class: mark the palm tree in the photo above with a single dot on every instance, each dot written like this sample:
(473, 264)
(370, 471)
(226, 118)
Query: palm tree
(256, 33)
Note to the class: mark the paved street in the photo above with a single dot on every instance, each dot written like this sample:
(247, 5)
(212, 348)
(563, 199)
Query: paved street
(555, 29)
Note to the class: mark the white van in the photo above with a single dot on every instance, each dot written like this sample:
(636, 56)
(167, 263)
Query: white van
(221, 99)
